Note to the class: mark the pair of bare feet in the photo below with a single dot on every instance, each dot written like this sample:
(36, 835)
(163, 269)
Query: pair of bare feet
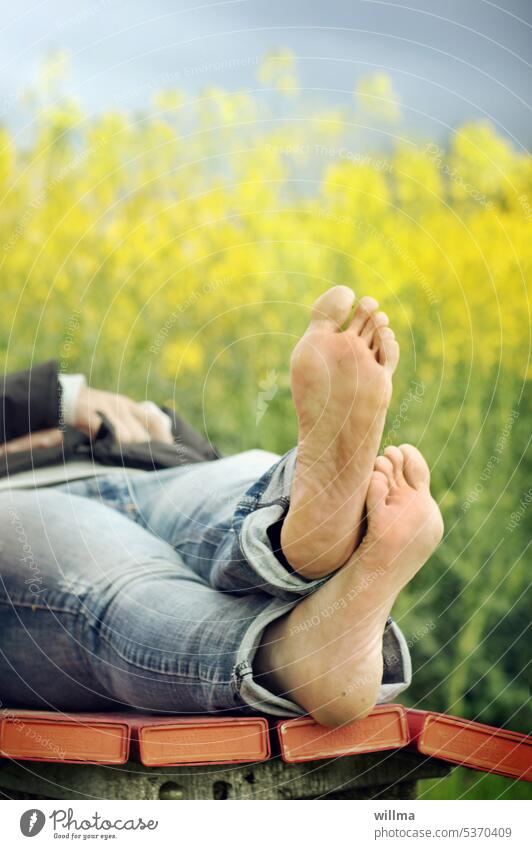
(369, 519)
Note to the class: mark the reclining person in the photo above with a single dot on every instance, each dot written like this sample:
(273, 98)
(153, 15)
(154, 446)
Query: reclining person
(245, 583)
(53, 427)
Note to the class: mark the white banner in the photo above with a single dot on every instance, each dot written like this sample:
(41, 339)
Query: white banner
(334, 825)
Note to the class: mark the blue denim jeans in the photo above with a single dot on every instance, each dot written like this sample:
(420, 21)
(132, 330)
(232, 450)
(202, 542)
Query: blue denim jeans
(151, 590)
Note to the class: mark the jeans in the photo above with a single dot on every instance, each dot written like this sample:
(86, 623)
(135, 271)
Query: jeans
(152, 590)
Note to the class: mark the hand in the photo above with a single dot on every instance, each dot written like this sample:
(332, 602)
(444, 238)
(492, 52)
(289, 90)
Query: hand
(31, 441)
(132, 422)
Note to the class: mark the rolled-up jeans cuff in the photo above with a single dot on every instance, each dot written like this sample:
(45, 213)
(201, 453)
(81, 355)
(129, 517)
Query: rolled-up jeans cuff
(397, 664)
(253, 694)
(264, 505)
(397, 673)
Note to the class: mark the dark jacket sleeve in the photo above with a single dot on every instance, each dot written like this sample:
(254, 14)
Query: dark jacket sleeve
(30, 400)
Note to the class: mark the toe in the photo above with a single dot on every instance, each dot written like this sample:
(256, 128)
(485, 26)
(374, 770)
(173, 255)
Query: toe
(388, 349)
(377, 491)
(396, 458)
(381, 333)
(366, 307)
(416, 470)
(333, 307)
(373, 324)
(384, 465)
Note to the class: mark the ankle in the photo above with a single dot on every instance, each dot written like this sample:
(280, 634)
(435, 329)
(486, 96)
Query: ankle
(309, 561)
(270, 665)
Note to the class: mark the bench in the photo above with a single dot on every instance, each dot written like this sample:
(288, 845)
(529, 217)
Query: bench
(383, 775)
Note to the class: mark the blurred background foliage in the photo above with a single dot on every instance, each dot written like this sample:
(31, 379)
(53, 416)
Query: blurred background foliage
(174, 253)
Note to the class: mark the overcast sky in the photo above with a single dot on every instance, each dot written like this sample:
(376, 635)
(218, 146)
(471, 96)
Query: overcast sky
(450, 60)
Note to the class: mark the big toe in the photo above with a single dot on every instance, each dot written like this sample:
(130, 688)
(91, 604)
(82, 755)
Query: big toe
(415, 468)
(333, 307)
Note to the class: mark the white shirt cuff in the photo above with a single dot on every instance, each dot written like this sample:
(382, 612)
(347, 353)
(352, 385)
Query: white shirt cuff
(71, 385)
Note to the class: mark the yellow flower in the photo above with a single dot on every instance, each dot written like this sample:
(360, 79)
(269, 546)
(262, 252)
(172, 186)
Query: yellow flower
(376, 97)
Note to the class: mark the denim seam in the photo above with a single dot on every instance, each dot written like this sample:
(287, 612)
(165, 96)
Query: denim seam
(249, 500)
(202, 537)
(282, 501)
(47, 607)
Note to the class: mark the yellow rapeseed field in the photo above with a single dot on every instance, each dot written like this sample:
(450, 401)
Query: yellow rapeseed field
(174, 252)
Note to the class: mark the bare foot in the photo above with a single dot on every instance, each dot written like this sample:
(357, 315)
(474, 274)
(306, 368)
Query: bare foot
(341, 385)
(326, 654)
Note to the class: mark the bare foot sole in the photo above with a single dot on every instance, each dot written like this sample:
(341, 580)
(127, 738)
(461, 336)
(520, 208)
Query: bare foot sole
(326, 654)
(341, 385)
